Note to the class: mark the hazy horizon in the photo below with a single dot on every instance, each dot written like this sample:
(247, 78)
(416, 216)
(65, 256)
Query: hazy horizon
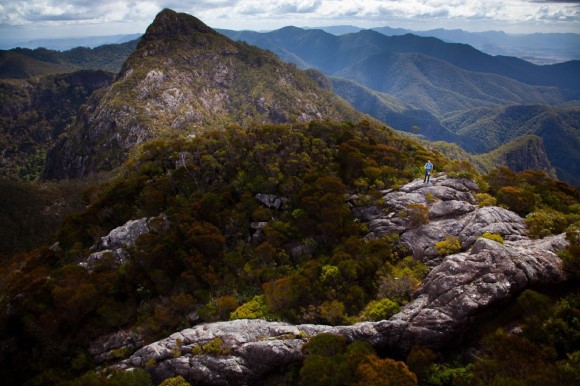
(25, 20)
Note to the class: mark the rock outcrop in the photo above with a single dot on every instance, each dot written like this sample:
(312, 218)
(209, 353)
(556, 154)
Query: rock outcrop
(455, 292)
(119, 239)
(452, 211)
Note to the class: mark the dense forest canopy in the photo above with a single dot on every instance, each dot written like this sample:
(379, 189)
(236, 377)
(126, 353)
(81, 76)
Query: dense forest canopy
(252, 223)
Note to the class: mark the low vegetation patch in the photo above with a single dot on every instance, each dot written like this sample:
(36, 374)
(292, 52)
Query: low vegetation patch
(493, 236)
(449, 246)
(214, 347)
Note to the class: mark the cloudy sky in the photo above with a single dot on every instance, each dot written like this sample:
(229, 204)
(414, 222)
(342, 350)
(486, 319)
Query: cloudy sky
(34, 19)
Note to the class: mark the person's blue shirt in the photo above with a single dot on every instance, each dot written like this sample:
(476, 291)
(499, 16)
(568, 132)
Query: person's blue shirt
(428, 168)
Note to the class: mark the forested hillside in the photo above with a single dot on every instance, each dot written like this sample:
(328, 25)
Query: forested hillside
(245, 223)
(22, 63)
(34, 112)
(557, 126)
(213, 243)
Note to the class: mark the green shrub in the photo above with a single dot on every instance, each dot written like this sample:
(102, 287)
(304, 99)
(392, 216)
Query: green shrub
(175, 381)
(329, 361)
(325, 345)
(254, 309)
(449, 246)
(534, 305)
(545, 222)
(398, 282)
(215, 347)
(332, 312)
(330, 274)
(571, 255)
(511, 359)
(460, 169)
(134, 377)
(226, 305)
(380, 309)
(444, 375)
(484, 199)
(420, 359)
(519, 200)
(375, 371)
(122, 352)
(418, 214)
(492, 236)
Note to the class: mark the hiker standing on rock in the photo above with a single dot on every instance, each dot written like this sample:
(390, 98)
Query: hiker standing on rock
(428, 169)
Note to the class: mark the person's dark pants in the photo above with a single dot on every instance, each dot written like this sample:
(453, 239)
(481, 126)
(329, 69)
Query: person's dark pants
(427, 175)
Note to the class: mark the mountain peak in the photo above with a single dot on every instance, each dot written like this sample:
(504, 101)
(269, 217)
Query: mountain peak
(171, 24)
(186, 78)
(173, 33)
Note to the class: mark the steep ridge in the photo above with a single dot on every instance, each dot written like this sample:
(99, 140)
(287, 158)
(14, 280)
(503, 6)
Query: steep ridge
(34, 112)
(387, 108)
(437, 86)
(525, 152)
(456, 291)
(556, 125)
(315, 46)
(185, 78)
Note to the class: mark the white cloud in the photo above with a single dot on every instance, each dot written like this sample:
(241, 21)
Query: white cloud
(269, 14)
(298, 6)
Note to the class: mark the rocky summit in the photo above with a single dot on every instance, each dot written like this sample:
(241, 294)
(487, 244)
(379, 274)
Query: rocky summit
(452, 211)
(457, 290)
(183, 79)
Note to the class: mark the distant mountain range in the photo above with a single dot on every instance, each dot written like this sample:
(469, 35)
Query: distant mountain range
(23, 62)
(64, 44)
(538, 48)
(333, 54)
(442, 91)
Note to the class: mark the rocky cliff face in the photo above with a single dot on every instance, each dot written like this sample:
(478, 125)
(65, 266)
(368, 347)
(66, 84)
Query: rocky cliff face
(526, 152)
(185, 78)
(457, 290)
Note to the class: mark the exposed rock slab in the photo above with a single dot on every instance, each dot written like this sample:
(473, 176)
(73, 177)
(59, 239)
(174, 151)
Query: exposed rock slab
(119, 239)
(452, 211)
(453, 294)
